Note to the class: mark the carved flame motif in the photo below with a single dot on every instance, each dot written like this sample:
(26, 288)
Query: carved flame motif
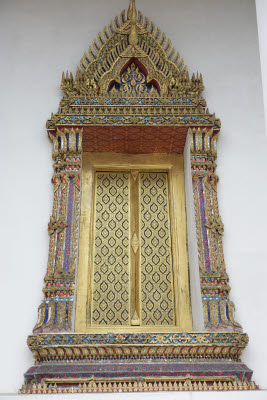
(134, 83)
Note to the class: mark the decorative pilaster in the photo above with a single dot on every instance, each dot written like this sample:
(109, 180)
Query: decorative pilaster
(218, 309)
(55, 312)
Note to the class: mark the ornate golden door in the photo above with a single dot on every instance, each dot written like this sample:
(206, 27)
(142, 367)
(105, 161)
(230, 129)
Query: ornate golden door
(133, 272)
(132, 258)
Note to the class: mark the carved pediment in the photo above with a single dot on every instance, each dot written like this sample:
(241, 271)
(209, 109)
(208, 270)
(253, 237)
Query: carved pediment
(126, 37)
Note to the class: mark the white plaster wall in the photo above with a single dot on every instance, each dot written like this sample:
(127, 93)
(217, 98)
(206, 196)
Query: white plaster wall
(261, 7)
(40, 39)
(253, 395)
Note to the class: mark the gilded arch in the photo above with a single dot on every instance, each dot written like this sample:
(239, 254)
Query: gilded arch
(99, 114)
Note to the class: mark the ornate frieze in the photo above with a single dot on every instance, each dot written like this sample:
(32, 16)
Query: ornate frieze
(210, 345)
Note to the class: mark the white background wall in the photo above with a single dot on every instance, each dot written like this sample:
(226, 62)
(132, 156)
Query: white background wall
(40, 39)
(261, 7)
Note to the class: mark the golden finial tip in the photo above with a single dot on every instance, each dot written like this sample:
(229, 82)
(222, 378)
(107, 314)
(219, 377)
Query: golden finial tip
(131, 14)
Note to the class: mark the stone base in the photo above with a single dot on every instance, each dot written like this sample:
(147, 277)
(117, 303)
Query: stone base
(137, 375)
(86, 363)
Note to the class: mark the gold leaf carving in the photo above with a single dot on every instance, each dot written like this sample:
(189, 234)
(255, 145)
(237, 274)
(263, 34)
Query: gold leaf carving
(135, 320)
(54, 225)
(135, 243)
(134, 174)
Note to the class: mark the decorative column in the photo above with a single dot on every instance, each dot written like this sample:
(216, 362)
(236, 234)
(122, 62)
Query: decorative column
(218, 308)
(55, 312)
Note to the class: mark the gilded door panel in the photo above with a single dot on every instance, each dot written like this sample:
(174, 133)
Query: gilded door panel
(156, 259)
(111, 274)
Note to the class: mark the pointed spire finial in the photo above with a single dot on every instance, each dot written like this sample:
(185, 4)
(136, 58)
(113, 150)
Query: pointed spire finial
(132, 26)
(131, 14)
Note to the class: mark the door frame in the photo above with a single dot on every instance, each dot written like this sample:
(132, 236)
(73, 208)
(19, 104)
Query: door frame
(160, 162)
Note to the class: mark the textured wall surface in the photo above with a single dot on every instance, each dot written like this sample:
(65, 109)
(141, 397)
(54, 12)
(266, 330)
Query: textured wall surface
(40, 40)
